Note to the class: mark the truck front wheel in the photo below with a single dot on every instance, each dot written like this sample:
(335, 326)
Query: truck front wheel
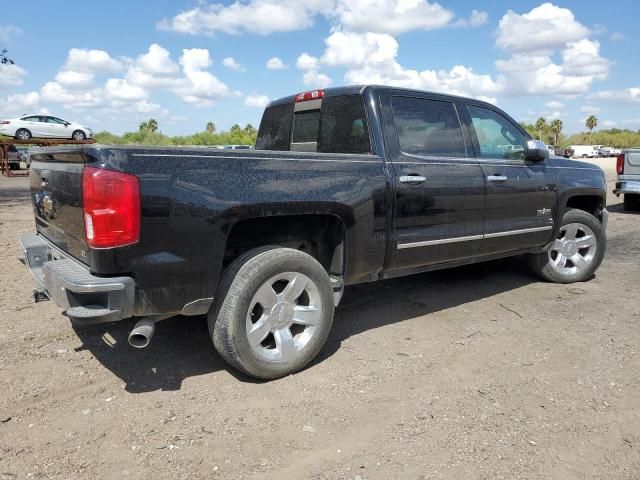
(273, 312)
(577, 251)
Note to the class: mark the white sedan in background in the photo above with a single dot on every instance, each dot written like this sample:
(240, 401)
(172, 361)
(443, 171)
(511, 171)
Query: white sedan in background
(25, 127)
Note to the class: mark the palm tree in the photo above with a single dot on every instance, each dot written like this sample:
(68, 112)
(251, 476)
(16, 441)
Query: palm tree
(236, 128)
(152, 124)
(591, 122)
(556, 126)
(211, 127)
(143, 126)
(541, 124)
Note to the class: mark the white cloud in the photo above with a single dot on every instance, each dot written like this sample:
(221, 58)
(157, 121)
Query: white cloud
(315, 79)
(91, 61)
(391, 16)
(231, 64)
(157, 60)
(616, 37)
(545, 27)
(554, 105)
(200, 87)
(71, 98)
(21, 103)
(372, 58)
(626, 95)
(71, 78)
(589, 109)
(275, 63)
(307, 62)
(11, 75)
(583, 59)
(476, 19)
(534, 39)
(255, 16)
(255, 100)
(7, 32)
(120, 89)
(608, 123)
(357, 49)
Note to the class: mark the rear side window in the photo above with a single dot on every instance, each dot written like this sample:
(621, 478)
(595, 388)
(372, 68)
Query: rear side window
(428, 127)
(275, 128)
(343, 125)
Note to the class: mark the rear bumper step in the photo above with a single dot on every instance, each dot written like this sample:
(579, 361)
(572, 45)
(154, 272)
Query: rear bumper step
(87, 299)
(627, 185)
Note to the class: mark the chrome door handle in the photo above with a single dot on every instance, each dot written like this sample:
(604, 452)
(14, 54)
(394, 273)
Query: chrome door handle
(412, 179)
(496, 178)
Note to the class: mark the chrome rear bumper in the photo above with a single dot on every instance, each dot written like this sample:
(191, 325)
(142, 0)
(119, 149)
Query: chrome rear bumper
(87, 299)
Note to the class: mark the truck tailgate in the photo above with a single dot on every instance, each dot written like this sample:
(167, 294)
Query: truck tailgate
(632, 162)
(56, 194)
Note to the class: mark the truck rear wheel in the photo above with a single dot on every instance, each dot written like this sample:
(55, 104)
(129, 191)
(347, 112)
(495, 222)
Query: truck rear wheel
(273, 312)
(576, 253)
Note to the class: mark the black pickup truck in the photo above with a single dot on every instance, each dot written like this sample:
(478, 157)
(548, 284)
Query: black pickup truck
(346, 185)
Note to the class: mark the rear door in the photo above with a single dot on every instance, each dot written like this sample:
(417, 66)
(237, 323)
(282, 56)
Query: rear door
(439, 191)
(520, 195)
(37, 125)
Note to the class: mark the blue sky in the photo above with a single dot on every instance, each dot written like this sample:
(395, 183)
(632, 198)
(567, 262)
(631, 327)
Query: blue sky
(113, 64)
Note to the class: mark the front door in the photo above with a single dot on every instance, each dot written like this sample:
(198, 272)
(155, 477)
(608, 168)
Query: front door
(439, 190)
(520, 195)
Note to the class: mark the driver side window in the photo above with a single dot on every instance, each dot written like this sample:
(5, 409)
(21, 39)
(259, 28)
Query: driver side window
(497, 136)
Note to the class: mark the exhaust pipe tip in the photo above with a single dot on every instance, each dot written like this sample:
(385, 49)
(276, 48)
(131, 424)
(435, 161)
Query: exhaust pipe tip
(140, 336)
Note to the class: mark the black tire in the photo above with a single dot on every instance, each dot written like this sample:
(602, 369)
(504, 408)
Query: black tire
(23, 134)
(78, 135)
(541, 263)
(241, 280)
(631, 202)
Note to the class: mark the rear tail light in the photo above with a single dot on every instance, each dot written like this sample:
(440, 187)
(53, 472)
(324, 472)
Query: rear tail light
(312, 95)
(620, 164)
(111, 205)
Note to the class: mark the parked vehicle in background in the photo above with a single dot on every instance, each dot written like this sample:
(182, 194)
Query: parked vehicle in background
(584, 151)
(13, 157)
(628, 183)
(26, 127)
(346, 185)
(235, 147)
(567, 152)
(608, 152)
(552, 149)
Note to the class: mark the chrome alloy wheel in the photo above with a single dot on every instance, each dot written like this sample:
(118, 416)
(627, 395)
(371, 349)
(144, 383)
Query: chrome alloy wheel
(573, 250)
(283, 316)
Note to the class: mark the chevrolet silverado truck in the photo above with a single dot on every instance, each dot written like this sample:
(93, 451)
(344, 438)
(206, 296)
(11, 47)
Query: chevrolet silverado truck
(346, 185)
(628, 183)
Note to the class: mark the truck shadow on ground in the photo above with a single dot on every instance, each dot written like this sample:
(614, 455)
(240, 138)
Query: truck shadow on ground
(181, 347)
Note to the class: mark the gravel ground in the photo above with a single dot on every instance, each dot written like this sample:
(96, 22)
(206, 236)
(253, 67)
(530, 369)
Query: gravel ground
(477, 372)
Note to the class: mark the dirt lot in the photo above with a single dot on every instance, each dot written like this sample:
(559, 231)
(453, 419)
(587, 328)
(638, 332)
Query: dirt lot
(478, 372)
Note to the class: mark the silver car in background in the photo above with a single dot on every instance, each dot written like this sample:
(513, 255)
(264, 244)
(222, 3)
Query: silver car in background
(628, 183)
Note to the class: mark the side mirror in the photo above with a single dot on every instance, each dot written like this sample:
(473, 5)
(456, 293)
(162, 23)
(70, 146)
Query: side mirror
(536, 151)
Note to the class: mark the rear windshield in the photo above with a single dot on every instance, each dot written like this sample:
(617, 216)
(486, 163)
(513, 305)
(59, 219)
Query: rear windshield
(338, 126)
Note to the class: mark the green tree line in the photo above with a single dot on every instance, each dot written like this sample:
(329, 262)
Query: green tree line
(149, 134)
(550, 132)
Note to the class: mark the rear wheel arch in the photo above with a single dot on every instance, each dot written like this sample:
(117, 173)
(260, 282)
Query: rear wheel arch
(323, 236)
